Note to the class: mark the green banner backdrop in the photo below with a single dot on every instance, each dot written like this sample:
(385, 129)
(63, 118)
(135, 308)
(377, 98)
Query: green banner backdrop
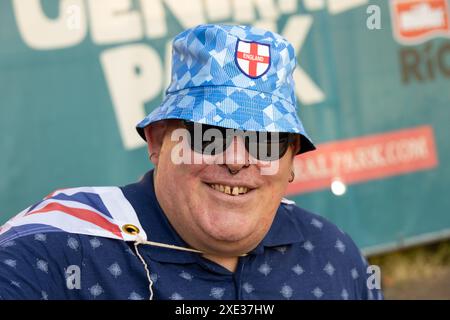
(76, 76)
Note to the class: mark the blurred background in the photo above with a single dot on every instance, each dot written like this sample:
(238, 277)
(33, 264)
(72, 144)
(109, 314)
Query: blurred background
(373, 86)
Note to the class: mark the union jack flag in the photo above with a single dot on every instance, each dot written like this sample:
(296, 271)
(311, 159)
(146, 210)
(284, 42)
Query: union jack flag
(96, 211)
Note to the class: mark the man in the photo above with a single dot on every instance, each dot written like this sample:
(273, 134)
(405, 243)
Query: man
(210, 221)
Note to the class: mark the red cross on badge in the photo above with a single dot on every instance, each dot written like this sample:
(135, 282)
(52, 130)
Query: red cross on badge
(252, 58)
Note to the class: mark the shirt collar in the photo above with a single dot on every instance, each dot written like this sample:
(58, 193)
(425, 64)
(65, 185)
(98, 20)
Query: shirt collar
(284, 230)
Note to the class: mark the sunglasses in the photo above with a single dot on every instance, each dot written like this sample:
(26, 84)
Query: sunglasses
(211, 140)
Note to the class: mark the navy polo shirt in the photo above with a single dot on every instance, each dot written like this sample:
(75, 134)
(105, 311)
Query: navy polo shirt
(303, 256)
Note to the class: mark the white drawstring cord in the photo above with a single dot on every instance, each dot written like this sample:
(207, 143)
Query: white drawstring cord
(140, 240)
(150, 282)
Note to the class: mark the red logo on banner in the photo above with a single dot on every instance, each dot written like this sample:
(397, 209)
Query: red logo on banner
(365, 158)
(253, 58)
(415, 21)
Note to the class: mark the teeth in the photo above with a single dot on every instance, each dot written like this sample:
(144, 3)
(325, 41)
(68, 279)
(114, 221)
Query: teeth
(235, 191)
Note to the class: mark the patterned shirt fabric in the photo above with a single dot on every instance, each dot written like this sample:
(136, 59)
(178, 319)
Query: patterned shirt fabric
(303, 256)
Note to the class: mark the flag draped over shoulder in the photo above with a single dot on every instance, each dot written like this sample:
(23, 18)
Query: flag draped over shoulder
(95, 211)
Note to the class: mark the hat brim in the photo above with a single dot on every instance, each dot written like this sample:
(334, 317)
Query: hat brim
(231, 107)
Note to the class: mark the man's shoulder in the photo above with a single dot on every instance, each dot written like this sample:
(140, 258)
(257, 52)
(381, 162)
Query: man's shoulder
(55, 244)
(319, 233)
(50, 243)
(310, 222)
(332, 251)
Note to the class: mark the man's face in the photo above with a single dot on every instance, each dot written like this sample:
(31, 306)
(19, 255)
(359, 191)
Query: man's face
(196, 199)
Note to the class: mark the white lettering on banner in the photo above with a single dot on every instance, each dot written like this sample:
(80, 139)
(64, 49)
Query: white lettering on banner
(120, 21)
(314, 5)
(153, 12)
(363, 158)
(344, 162)
(41, 33)
(296, 30)
(407, 150)
(188, 13)
(358, 159)
(265, 24)
(244, 10)
(218, 10)
(134, 77)
(108, 18)
(314, 167)
(73, 20)
(339, 6)
(113, 21)
(287, 6)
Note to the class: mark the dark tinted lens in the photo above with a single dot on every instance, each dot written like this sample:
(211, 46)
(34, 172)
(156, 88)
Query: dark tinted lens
(206, 139)
(268, 146)
(213, 143)
(212, 140)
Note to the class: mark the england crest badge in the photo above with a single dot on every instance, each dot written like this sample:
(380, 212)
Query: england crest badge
(252, 58)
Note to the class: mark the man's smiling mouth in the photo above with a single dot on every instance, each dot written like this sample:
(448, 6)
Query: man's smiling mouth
(230, 190)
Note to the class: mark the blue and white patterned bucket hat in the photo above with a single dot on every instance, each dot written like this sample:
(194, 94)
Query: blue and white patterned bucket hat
(237, 77)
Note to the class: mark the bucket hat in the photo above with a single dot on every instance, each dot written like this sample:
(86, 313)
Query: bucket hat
(237, 77)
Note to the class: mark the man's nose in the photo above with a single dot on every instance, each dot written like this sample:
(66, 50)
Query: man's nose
(236, 156)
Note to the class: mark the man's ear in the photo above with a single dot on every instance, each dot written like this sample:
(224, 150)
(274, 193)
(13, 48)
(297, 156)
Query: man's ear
(296, 145)
(154, 134)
